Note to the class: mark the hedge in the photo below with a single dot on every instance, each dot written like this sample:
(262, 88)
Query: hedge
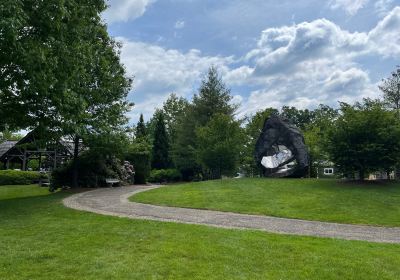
(165, 176)
(15, 177)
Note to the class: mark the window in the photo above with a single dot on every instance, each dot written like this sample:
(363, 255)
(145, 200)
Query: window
(328, 171)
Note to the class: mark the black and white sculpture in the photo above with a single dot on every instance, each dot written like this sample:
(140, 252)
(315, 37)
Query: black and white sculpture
(280, 149)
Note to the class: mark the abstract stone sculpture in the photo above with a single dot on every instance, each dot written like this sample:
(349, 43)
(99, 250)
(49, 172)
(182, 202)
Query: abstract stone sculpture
(280, 149)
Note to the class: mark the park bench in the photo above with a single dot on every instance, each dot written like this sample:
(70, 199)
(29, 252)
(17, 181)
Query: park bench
(111, 181)
(44, 182)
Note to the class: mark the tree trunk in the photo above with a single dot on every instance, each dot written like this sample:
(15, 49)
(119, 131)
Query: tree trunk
(361, 174)
(75, 167)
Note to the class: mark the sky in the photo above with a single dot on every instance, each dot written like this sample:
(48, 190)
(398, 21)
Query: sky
(269, 53)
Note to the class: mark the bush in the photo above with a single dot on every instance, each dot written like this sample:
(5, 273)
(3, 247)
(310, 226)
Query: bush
(14, 177)
(93, 169)
(165, 176)
(139, 156)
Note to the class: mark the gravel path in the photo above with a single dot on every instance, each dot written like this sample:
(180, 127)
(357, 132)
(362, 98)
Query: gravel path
(114, 202)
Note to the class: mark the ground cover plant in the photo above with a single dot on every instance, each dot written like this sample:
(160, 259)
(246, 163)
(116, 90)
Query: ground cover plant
(310, 199)
(41, 239)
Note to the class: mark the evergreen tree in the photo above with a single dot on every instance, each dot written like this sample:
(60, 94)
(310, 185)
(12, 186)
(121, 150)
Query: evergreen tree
(184, 146)
(160, 152)
(141, 132)
(213, 98)
(220, 143)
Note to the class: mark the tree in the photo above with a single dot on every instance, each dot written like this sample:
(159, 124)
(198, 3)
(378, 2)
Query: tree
(391, 90)
(184, 145)
(62, 69)
(141, 132)
(160, 152)
(219, 145)
(365, 138)
(300, 118)
(139, 154)
(315, 136)
(173, 108)
(213, 98)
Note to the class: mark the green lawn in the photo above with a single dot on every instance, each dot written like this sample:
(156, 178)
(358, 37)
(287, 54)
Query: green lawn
(41, 239)
(310, 199)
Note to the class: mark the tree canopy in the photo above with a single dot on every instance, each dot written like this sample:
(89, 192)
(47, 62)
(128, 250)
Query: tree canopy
(365, 138)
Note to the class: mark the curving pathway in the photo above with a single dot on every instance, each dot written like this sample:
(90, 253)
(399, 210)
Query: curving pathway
(114, 202)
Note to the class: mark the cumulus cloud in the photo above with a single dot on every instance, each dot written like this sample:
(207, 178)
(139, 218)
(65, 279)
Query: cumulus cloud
(281, 49)
(300, 65)
(314, 62)
(125, 10)
(385, 37)
(159, 71)
(351, 7)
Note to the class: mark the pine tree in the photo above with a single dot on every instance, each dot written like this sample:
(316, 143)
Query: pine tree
(213, 98)
(160, 155)
(141, 132)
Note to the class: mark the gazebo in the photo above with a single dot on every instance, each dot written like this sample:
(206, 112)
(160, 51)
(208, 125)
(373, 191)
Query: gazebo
(49, 154)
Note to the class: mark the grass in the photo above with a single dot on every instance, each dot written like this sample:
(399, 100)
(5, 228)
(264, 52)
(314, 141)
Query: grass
(41, 239)
(310, 199)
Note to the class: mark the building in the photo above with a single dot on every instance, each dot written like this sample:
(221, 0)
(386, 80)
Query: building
(47, 154)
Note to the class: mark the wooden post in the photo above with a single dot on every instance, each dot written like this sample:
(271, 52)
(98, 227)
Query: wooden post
(40, 161)
(55, 158)
(24, 161)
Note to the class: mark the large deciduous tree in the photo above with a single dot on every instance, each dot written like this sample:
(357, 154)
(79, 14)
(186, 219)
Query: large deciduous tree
(173, 109)
(61, 70)
(391, 90)
(365, 138)
(315, 136)
(300, 118)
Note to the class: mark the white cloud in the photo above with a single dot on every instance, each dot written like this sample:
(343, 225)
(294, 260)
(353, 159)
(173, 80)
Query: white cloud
(383, 6)
(300, 65)
(159, 71)
(350, 6)
(179, 24)
(282, 49)
(385, 37)
(125, 10)
(315, 62)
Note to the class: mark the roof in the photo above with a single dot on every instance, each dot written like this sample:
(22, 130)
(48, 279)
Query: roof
(6, 146)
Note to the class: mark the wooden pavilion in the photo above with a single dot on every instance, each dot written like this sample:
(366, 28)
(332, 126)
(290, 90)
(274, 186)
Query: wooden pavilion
(49, 154)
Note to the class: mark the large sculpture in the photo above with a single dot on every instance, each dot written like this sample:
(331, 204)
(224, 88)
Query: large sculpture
(280, 149)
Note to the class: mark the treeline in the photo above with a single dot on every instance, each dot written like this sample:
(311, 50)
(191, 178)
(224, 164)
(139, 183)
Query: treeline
(62, 77)
(203, 138)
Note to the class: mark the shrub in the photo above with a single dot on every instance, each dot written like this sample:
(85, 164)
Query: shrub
(165, 176)
(93, 171)
(139, 156)
(15, 177)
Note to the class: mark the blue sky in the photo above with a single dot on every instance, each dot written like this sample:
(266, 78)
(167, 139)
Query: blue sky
(270, 53)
